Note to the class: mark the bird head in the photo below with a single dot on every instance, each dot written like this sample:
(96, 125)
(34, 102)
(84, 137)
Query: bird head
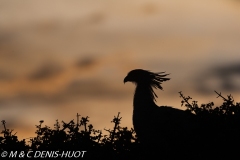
(137, 76)
(140, 76)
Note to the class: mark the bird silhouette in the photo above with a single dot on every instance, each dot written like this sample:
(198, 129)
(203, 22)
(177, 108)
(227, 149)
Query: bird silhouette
(163, 129)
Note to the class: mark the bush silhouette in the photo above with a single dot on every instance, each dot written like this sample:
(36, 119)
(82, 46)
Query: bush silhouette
(217, 136)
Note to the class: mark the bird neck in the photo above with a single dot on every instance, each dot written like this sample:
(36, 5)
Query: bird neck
(143, 97)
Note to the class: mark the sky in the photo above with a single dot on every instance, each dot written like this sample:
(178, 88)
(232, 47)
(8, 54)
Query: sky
(59, 58)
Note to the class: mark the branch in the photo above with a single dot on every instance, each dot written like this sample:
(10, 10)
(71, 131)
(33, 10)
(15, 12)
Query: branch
(116, 120)
(220, 95)
(185, 99)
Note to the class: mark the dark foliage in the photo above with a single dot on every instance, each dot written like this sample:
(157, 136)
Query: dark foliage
(217, 136)
(76, 136)
(218, 128)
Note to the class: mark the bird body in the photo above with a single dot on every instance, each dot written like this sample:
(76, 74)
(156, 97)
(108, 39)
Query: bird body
(162, 127)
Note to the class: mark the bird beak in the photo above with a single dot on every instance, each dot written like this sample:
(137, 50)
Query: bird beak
(125, 79)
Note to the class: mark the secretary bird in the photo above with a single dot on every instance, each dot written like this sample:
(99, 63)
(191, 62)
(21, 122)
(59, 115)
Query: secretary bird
(164, 129)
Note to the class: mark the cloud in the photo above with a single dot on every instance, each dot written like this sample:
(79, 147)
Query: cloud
(221, 78)
(46, 71)
(86, 89)
(85, 62)
(92, 88)
(6, 76)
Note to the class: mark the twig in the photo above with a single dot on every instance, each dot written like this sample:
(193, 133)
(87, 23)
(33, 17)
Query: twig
(185, 99)
(116, 120)
(5, 129)
(220, 95)
(66, 125)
